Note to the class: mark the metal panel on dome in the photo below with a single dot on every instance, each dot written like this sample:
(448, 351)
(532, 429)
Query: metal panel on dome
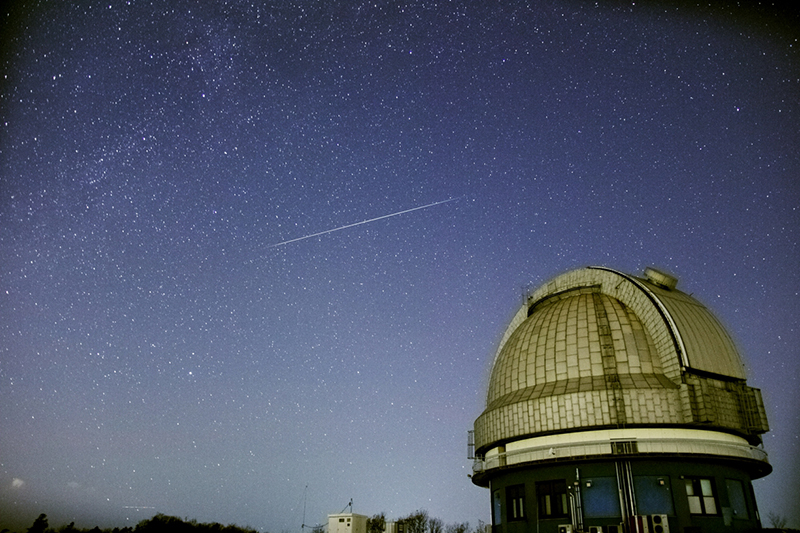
(708, 346)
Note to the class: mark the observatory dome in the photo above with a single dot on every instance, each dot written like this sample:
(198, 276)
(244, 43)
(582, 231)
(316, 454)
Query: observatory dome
(596, 349)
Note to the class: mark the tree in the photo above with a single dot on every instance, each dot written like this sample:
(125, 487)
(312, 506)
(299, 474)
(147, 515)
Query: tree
(376, 524)
(777, 521)
(39, 525)
(462, 527)
(435, 525)
(416, 522)
(483, 527)
(162, 523)
(68, 528)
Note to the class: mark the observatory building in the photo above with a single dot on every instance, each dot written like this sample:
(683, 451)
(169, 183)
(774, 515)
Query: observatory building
(618, 404)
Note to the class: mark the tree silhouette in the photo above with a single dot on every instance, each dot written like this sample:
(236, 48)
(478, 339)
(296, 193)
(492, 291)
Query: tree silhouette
(435, 525)
(462, 527)
(39, 525)
(416, 522)
(376, 524)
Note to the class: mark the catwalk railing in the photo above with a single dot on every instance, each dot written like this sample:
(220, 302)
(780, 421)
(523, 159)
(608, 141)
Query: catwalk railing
(579, 450)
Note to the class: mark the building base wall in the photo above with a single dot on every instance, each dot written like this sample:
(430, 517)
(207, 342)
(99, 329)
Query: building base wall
(627, 495)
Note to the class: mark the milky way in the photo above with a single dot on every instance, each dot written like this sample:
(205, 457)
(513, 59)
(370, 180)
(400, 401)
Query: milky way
(153, 357)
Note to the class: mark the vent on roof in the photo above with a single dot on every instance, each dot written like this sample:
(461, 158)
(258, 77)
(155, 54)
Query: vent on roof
(661, 279)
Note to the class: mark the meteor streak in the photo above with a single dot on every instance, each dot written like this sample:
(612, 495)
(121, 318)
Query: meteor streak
(362, 222)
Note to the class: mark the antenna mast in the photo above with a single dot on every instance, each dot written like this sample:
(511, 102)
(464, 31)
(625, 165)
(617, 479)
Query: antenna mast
(318, 527)
(303, 525)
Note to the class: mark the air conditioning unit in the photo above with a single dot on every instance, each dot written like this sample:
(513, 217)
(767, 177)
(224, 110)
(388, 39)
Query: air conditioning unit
(658, 523)
(565, 528)
(595, 529)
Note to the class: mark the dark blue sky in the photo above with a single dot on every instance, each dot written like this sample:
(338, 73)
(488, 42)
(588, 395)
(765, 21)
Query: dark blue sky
(156, 349)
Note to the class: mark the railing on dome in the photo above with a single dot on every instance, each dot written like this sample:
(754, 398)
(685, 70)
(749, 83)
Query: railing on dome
(627, 447)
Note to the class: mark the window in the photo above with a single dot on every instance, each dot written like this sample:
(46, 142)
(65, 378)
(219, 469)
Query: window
(515, 499)
(601, 498)
(737, 499)
(653, 495)
(700, 492)
(496, 508)
(624, 447)
(552, 497)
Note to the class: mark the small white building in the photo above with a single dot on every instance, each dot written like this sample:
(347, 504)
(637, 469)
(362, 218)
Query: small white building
(347, 523)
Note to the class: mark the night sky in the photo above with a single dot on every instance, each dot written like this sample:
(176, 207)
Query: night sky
(159, 352)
